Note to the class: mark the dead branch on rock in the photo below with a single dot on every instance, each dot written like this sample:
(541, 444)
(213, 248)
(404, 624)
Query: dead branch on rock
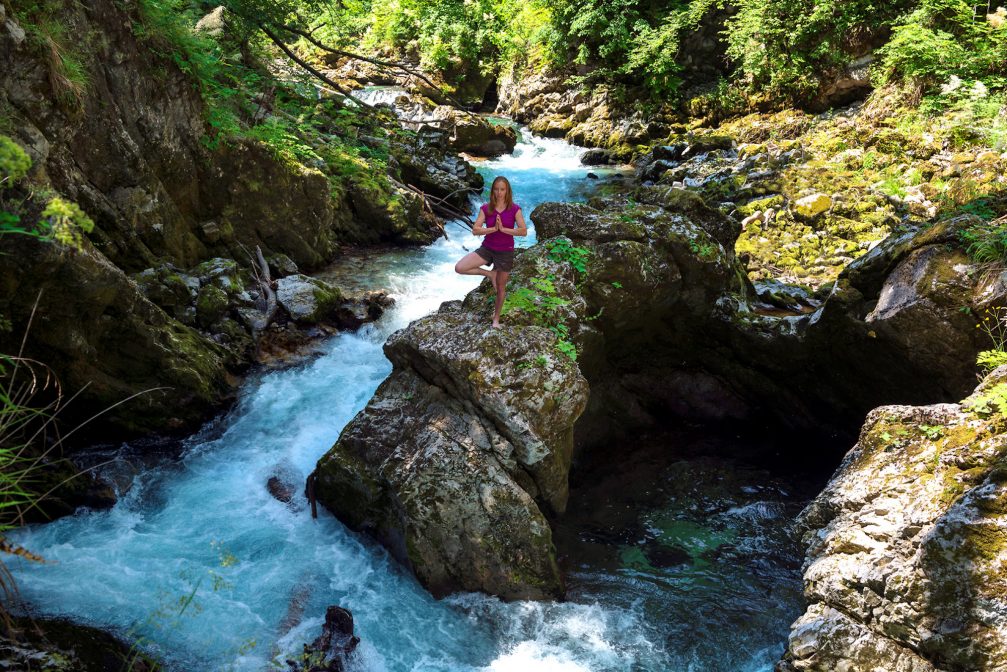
(260, 269)
(441, 207)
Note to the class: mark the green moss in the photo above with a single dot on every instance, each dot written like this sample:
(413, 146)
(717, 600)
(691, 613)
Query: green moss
(211, 304)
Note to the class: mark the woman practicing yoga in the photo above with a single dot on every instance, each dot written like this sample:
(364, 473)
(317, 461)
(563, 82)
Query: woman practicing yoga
(500, 221)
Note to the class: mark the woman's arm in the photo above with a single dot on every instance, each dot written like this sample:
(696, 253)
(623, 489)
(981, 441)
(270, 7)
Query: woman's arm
(478, 229)
(520, 228)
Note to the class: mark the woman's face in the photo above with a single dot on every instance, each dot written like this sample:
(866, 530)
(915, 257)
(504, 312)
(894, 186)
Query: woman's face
(499, 192)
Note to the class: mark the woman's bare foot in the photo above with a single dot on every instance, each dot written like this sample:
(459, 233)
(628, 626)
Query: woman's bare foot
(493, 278)
(496, 325)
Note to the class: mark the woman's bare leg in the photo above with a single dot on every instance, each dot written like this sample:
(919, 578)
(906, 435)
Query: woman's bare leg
(501, 287)
(470, 265)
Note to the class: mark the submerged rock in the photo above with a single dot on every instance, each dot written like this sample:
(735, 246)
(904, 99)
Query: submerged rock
(906, 550)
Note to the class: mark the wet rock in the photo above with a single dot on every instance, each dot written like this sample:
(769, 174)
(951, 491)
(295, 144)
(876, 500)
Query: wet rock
(307, 300)
(331, 650)
(597, 157)
(280, 490)
(50, 645)
(358, 311)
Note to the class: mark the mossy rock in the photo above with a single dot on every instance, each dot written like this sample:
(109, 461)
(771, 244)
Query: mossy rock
(211, 304)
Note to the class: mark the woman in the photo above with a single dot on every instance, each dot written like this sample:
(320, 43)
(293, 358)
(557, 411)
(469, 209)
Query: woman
(500, 221)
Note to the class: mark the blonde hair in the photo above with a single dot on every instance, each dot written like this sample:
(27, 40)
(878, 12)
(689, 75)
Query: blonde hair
(508, 194)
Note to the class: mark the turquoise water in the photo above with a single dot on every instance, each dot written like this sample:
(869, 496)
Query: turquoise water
(202, 565)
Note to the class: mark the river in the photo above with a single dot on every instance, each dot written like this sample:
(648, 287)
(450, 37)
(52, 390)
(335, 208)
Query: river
(677, 561)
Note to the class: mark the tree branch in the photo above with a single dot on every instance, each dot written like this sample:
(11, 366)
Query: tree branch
(301, 62)
(374, 61)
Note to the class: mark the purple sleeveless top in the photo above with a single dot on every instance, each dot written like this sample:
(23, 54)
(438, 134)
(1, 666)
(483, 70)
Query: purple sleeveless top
(497, 241)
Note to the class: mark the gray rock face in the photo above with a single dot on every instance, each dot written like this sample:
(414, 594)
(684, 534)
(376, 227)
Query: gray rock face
(307, 299)
(445, 464)
(906, 548)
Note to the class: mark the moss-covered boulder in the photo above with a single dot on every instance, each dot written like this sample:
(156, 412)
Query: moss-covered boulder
(107, 341)
(907, 551)
(474, 134)
(307, 300)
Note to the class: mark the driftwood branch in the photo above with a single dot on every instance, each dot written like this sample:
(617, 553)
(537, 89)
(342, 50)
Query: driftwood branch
(311, 69)
(260, 269)
(441, 207)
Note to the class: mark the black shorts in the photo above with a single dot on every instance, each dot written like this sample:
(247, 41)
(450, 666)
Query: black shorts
(502, 260)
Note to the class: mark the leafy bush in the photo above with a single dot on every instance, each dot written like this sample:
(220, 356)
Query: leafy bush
(944, 38)
(14, 162)
(782, 46)
(994, 325)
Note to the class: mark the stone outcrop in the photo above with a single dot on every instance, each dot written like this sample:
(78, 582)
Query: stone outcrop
(906, 546)
(87, 307)
(445, 464)
(466, 448)
(552, 108)
(473, 432)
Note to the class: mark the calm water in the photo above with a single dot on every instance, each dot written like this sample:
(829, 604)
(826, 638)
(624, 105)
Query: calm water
(203, 565)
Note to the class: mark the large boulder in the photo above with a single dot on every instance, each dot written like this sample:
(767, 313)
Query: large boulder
(97, 330)
(473, 134)
(306, 299)
(906, 549)
(446, 462)
(467, 446)
(640, 297)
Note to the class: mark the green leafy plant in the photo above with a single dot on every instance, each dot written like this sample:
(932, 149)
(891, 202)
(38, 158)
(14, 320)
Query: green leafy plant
(66, 222)
(562, 250)
(932, 432)
(994, 325)
(985, 241)
(989, 402)
(541, 303)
